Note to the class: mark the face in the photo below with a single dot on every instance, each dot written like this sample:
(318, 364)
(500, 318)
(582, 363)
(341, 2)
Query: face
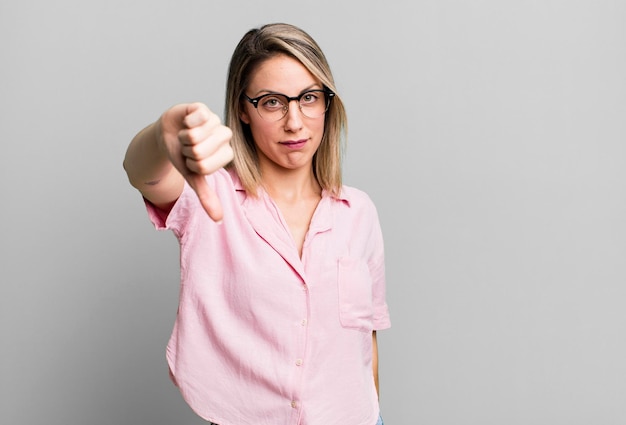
(291, 142)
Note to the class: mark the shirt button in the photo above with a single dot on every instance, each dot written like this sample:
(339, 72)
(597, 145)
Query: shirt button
(294, 404)
(303, 323)
(299, 362)
(304, 287)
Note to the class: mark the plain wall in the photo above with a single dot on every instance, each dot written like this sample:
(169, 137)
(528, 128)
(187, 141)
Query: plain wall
(491, 135)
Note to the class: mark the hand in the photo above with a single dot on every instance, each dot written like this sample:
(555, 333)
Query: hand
(197, 144)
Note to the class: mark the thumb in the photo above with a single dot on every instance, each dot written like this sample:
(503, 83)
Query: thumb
(208, 199)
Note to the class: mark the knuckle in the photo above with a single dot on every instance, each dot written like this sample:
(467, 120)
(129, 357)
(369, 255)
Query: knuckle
(191, 165)
(229, 154)
(193, 136)
(204, 167)
(195, 151)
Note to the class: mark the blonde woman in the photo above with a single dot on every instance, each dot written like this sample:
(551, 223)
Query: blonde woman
(282, 266)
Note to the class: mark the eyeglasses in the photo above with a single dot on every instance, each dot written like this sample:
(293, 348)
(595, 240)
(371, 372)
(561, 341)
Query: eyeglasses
(274, 106)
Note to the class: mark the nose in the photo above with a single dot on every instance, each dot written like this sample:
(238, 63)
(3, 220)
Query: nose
(294, 116)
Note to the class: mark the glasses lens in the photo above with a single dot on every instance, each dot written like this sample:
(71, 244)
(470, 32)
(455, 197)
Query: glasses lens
(274, 107)
(314, 103)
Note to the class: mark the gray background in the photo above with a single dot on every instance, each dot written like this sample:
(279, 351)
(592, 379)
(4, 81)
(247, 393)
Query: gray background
(491, 135)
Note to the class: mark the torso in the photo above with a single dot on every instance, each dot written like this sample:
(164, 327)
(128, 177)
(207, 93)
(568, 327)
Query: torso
(245, 279)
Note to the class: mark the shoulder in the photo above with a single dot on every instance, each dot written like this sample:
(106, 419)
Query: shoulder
(355, 198)
(356, 204)
(226, 179)
(188, 209)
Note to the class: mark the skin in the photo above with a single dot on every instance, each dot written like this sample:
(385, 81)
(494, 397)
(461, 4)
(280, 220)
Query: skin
(188, 142)
(287, 171)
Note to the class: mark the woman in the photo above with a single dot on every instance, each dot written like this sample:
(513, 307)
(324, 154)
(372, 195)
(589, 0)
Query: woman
(282, 266)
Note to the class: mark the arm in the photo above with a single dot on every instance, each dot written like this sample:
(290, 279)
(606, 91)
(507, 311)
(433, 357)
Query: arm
(375, 360)
(186, 143)
(150, 171)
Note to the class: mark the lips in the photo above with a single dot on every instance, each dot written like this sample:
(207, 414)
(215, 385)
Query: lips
(294, 144)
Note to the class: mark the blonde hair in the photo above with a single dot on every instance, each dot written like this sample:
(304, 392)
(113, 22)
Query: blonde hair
(256, 46)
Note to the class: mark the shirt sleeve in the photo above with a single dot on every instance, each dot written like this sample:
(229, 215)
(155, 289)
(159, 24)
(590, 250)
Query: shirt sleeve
(376, 263)
(178, 216)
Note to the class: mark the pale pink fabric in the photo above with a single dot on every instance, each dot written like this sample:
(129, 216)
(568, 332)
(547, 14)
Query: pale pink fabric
(263, 337)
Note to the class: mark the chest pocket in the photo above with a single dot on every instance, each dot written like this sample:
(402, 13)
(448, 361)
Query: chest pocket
(355, 294)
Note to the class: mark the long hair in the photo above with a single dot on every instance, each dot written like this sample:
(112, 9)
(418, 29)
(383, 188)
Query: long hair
(257, 46)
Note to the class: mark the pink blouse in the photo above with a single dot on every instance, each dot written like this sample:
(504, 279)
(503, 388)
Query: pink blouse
(262, 336)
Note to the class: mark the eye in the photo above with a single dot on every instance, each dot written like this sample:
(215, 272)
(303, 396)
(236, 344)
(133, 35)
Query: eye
(309, 98)
(272, 102)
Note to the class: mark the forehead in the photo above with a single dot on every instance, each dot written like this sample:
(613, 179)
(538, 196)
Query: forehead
(282, 74)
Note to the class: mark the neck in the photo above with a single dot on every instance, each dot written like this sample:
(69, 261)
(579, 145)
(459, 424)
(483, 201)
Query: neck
(291, 185)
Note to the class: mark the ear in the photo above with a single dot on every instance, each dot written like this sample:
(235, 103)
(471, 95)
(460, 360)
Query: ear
(243, 114)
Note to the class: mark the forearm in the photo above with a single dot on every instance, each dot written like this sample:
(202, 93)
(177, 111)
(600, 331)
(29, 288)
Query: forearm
(375, 361)
(145, 163)
(150, 170)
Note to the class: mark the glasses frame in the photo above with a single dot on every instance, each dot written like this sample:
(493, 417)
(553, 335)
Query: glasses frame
(329, 94)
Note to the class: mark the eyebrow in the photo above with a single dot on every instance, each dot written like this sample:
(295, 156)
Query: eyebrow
(304, 90)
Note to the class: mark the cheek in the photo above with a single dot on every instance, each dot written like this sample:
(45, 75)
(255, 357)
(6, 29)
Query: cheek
(261, 130)
(320, 129)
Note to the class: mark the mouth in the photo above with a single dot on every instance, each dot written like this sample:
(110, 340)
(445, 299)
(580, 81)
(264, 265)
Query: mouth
(294, 144)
